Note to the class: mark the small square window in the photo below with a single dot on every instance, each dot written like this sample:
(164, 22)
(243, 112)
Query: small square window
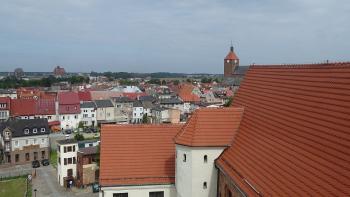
(35, 130)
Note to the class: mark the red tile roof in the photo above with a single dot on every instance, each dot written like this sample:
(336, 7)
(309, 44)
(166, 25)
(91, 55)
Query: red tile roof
(23, 107)
(85, 96)
(45, 106)
(134, 96)
(7, 101)
(68, 103)
(210, 127)
(294, 137)
(186, 94)
(231, 56)
(137, 154)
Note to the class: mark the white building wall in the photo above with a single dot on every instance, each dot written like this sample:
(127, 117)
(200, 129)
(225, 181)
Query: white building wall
(137, 114)
(61, 168)
(191, 175)
(69, 121)
(20, 142)
(88, 115)
(138, 191)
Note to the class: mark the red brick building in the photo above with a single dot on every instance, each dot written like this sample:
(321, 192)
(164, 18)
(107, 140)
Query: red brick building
(87, 167)
(231, 62)
(59, 71)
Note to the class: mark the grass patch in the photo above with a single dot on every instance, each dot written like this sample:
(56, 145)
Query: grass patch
(53, 158)
(15, 187)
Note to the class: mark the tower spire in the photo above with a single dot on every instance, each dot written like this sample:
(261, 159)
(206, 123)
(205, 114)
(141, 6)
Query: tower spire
(231, 48)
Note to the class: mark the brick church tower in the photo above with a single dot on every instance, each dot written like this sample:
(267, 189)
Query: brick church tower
(231, 62)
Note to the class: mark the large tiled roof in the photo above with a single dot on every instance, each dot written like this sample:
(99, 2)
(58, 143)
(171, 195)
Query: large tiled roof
(294, 137)
(137, 154)
(23, 107)
(210, 127)
(84, 95)
(68, 98)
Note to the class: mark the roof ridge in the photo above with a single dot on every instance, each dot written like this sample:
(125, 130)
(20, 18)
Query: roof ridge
(309, 65)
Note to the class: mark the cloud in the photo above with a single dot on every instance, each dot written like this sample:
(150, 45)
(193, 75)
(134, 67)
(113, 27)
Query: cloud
(176, 36)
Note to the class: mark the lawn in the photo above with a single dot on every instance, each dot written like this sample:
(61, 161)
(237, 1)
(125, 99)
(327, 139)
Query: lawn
(14, 187)
(53, 158)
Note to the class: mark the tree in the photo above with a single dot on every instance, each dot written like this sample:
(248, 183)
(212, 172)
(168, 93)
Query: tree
(229, 102)
(79, 137)
(176, 82)
(145, 119)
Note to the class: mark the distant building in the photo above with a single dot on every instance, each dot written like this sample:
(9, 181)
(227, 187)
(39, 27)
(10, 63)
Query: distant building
(59, 71)
(88, 114)
(24, 141)
(233, 73)
(69, 110)
(18, 73)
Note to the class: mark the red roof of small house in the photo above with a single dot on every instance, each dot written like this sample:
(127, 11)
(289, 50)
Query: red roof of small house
(137, 154)
(84, 96)
(134, 96)
(104, 95)
(53, 123)
(186, 94)
(294, 137)
(23, 107)
(45, 106)
(210, 127)
(7, 101)
(68, 103)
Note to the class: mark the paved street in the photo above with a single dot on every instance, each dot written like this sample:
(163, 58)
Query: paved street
(47, 185)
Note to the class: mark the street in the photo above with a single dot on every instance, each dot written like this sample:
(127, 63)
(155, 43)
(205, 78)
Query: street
(46, 184)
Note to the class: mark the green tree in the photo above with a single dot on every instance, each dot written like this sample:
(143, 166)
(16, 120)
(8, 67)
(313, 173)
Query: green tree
(79, 137)
(145, 119)
(176, 82)
(229, 102)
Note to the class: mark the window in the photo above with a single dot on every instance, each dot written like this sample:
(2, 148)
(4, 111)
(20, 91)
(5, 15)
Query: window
(49, 117)
(59, 160)
(184, 158)
(27, 142)
(74, 148)
(27, 156)
(42, 130)
(58, 148)
(69, 149)
(62, 117)
(120, 194)
(16, 143)
(205, 159)
(35, 130)
(92, 115)
(65, 161)
(156, 194)
(26, 131)
(42, 140)
(43, 154)
(34, 141)
(204, 185)
(76, 116)
(69, 160)
(74, 160)
(65, 149)
(17, 158)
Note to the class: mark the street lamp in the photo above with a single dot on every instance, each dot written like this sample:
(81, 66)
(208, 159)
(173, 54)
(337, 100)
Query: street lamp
(35, 192)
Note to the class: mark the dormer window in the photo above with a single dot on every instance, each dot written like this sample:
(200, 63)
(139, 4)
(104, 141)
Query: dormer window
(42, 130)
(26, 131)
(35, 130)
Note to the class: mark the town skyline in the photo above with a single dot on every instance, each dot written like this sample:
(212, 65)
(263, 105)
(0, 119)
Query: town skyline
(181, 36)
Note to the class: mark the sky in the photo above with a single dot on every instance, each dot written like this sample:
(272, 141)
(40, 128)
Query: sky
(184, 36)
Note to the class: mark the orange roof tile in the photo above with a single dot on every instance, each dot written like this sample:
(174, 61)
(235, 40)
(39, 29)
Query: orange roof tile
(186, 94)
(210, 127)
(294, 137)
(231, 56)
(137, 154)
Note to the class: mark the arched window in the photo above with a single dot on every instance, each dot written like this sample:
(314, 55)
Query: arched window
(205, 159)
(204, 185)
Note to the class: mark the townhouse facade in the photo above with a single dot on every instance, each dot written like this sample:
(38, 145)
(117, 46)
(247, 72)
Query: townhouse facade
(66, 161)
(24, 141)
(68, 106)
(88, 114)
(4, 108)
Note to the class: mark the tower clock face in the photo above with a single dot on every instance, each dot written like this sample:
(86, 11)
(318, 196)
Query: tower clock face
(227, 61)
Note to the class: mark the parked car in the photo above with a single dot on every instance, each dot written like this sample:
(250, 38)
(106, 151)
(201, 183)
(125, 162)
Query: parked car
(95, 188)
(45, 162)
(68, 131)
(35, 164)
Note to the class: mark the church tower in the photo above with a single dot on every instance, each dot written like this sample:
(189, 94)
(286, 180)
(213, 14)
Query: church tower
(231, 62)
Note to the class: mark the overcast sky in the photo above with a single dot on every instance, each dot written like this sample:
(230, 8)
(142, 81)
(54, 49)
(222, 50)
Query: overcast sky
(188, 36)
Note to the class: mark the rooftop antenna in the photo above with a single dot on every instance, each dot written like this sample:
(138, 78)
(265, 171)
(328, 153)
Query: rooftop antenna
(231, 46)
